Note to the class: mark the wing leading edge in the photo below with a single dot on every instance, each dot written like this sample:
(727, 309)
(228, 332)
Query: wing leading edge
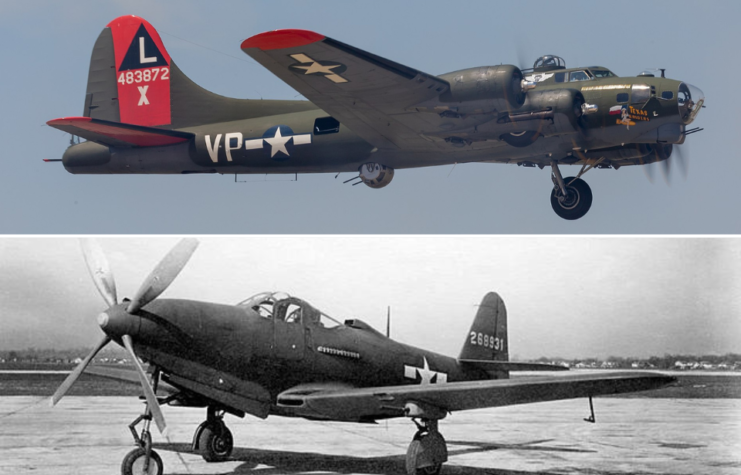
(369, 403)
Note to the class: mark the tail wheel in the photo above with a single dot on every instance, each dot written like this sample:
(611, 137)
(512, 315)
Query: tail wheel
(215, 443)
(575, 203)
(133, 463)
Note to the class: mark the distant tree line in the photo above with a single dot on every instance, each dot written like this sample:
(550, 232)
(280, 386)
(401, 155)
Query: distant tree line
(659, 362)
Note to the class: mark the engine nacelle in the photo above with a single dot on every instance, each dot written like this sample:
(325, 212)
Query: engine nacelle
(546, 113)
(376, 175)
(486, 88)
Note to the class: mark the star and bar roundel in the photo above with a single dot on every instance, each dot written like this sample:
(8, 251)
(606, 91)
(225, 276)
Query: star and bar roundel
(278, 142)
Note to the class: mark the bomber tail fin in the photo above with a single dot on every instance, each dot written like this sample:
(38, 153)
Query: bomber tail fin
(133, 80)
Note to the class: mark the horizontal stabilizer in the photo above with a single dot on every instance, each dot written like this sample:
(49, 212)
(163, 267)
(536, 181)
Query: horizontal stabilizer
(488, 365)
(118, 134)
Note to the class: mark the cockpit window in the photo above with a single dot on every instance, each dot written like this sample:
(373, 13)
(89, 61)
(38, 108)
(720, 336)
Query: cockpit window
(602, 73)
(282, 307)
(579, 76)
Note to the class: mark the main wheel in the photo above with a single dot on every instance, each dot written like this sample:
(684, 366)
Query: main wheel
(576, 202)
(133, 463)
(428, 450)
(215, 443)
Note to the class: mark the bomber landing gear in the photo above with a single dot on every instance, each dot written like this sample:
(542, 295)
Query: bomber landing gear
(212, 439)
(427, 452)
(571, 197)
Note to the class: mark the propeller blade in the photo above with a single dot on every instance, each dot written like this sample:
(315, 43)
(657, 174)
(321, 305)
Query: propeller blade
(682, 161)
(666, 170)
(100, 271)
(163, 275)
(62, 390)
(152, 403)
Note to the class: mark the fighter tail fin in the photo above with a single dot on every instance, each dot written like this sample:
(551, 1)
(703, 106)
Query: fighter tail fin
(487, 339)
(133, 80)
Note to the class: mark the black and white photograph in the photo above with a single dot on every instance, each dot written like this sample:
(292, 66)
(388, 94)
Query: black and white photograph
(370, 354)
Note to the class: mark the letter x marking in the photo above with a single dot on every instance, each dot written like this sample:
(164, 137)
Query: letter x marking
(143, 99)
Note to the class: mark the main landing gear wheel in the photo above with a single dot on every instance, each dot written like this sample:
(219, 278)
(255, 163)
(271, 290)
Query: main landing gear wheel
(576, 202)
(213, 440)
(135, 461)
(427, 452)
(215, 443)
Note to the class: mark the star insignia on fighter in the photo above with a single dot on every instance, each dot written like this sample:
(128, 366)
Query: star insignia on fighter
(330, 71)
(425, 373)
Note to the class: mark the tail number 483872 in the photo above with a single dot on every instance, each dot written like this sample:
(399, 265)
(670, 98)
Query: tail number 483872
(144, 75)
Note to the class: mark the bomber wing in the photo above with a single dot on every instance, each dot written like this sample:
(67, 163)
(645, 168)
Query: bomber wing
(370, 403)
(367, 93)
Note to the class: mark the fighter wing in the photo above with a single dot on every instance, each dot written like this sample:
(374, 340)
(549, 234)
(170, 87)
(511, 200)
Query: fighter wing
(365, 92)
(370, 403)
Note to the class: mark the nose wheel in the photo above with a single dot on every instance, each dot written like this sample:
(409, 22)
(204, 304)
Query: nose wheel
(213, 439)
(143, 460)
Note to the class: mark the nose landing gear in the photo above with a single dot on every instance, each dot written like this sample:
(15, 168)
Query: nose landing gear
(143, 460)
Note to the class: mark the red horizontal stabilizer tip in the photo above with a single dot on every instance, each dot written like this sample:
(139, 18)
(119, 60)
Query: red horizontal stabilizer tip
(47, 160)
(97, 130)
(279, 39)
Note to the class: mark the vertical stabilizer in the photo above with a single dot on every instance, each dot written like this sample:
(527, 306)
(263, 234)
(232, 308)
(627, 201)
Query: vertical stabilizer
(487, 339)
(132, 79)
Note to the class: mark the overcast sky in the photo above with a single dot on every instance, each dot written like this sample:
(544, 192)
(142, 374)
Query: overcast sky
(46, 52)
(569, 297)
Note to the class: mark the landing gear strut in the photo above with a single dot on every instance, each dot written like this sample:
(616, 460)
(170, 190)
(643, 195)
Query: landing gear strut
(571, 197)
(212, 439)
(427, 452)
(143, 460)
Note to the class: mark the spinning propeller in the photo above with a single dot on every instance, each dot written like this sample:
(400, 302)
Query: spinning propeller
(667, 155)
(156, 283)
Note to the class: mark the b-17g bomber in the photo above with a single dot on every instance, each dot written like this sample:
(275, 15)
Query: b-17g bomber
(368, 114)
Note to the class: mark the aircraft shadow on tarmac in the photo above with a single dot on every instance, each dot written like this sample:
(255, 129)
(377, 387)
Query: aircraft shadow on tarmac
(302, 462)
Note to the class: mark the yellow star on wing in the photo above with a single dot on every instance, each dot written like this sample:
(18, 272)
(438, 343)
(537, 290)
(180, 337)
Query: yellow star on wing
(317, 68)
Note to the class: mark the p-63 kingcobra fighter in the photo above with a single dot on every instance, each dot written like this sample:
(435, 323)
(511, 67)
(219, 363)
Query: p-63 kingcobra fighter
(274, 354)
(368, 114)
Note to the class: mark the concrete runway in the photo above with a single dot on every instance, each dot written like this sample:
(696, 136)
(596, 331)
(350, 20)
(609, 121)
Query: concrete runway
(89, 435)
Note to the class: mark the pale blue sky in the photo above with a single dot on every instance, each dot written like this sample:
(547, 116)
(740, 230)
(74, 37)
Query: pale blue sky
(45, 57)
(565, 296)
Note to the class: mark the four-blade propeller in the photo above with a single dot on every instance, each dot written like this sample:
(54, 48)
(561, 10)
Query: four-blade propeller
(156, 283)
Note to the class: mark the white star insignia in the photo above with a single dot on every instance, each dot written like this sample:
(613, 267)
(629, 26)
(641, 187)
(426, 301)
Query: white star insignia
(278, 143)
(425, 373)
